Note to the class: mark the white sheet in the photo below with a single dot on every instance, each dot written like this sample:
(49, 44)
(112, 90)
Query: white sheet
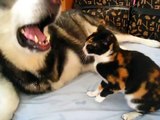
(72, 103)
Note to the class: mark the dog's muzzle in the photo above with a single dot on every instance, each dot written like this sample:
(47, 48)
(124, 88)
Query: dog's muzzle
(32, 35)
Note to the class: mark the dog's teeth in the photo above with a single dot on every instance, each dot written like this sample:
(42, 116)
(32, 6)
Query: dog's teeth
(36, 39)
(40, 42)
(46, 33)
(22, 31)
(48, 38)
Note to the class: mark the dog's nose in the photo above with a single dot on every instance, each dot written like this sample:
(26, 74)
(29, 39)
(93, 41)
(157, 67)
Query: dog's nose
(56, 1)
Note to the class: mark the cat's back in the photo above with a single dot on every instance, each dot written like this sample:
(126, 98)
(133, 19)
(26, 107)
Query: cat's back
(139, 63)
(143, 84)
(141, 68)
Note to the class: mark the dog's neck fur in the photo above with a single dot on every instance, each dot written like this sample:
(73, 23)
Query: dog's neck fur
(22, 58)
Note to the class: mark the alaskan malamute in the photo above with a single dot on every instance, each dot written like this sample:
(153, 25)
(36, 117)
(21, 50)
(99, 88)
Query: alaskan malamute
(35, 58)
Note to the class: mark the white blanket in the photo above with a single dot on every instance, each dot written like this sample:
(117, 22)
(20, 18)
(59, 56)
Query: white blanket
(72, 103)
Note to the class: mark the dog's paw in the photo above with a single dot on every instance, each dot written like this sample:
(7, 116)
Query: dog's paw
(92, 93)
(130, 115)
(99, 99)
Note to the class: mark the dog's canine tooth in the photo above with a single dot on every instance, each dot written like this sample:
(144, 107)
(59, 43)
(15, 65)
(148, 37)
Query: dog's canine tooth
(46, 33)
(22, 31)
(40, 42)
(36, 39)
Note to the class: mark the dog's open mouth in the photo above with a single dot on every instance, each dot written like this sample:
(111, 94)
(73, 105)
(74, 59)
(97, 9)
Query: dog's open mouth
(32, 36)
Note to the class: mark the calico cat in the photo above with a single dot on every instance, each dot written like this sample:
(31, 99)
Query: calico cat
(129, 71)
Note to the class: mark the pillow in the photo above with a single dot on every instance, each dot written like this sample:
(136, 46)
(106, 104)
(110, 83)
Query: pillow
(114, 12)
(152, 4)
(145, 19)
(137, 17)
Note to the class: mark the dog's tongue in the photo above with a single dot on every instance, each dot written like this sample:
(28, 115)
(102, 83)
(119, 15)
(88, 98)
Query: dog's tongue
(34, 33)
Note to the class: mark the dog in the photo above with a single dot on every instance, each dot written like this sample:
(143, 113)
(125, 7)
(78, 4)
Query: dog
(41, 50)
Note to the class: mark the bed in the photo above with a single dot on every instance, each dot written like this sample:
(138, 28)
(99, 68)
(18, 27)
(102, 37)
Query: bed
(72, 103)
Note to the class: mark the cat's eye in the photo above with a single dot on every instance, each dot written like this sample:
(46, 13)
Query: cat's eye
(90, 47)
(94, 44)
(108, 39)
(89, 41)
(105, 43)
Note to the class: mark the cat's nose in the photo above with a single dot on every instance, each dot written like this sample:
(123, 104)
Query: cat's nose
(89, 47)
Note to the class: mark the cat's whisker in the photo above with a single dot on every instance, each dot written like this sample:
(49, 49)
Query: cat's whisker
(123, 70)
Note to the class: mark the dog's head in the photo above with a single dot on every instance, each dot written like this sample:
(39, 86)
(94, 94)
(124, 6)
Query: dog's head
(22, 23)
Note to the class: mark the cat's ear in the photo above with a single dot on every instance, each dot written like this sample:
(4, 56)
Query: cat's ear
(101, 28)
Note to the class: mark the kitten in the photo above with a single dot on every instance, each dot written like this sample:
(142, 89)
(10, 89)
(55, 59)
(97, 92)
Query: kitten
(129, 71)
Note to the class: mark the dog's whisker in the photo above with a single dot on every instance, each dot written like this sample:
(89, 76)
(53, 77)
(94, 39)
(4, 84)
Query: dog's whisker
(22, 31)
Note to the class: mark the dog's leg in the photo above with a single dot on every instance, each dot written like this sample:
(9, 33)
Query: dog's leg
(134, 39)
(72, 68)
(9, 99)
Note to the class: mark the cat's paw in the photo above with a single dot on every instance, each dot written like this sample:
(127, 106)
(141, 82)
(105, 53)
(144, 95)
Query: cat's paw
(57, 85)
(92, 93)
(130, 115)
(99, 99)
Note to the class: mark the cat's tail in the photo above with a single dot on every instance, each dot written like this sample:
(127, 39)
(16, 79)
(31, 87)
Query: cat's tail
(133, 39)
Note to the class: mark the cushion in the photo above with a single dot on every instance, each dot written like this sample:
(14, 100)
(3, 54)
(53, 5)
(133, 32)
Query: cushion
(114, 12)
(137, 17)
(145, 19)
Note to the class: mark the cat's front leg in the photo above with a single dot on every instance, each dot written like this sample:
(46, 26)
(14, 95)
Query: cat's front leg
(101, 92)
(105, 92)
(98, 90)
(99, 99)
